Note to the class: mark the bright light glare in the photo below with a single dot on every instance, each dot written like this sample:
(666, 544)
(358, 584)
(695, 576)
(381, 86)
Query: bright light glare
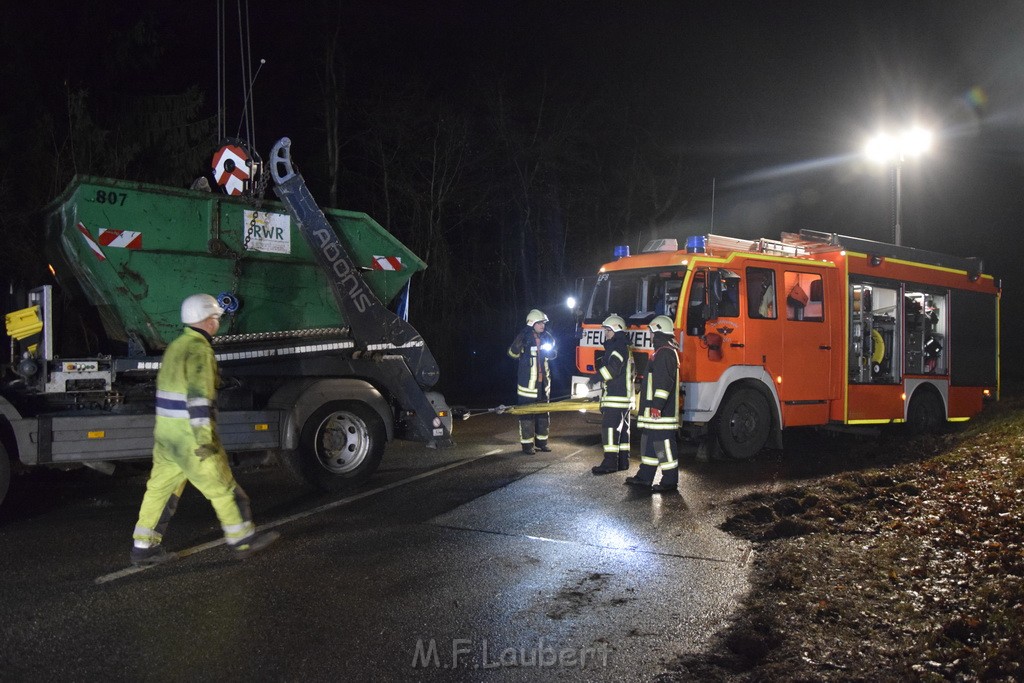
(884, 148)
(881, 148)
(916, 141)
(571, 302)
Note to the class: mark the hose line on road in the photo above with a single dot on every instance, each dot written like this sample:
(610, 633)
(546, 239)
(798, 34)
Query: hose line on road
(564, 405)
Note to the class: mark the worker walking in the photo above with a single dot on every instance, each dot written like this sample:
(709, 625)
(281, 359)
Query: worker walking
(616, 370)
(187, 447)
(534, 348)
(658, 417)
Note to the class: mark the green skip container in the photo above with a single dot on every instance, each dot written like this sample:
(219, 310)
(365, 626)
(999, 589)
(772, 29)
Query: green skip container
(137, 250)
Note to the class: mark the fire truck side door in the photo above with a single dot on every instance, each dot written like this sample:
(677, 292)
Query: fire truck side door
(807, 346)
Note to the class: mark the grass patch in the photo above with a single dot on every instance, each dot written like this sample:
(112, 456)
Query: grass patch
(911, 570)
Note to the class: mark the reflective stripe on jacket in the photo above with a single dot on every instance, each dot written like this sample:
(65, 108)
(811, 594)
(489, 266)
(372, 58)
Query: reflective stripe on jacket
(660, 390)
(616, 371)
(533, 377)
(186, 391)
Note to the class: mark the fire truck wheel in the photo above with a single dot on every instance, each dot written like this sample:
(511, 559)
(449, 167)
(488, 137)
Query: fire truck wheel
(5, 472)
(743, 423)
(341, 445)
(925, 414)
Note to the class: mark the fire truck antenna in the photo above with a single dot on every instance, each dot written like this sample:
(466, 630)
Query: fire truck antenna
(712, 229)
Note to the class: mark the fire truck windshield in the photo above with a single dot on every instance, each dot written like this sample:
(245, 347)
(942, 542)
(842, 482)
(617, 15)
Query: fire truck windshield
(637, 296)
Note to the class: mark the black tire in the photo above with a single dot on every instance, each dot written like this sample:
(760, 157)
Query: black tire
(743, 423)
(5, 473)
(341, 445)
(925, 414)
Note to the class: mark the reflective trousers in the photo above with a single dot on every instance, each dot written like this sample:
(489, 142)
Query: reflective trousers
(534, 428)
(615, 430)
(175, 464)
(658, 451)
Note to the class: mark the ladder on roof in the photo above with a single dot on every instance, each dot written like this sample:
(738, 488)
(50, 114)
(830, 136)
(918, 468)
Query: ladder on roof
(759, 246)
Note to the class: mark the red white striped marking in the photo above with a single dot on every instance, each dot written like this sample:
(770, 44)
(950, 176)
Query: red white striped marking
(232, 181)
(122, 239)
(92, 245)
(387, 263)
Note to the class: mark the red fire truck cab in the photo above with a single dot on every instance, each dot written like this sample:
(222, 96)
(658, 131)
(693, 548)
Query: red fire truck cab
(813, 329)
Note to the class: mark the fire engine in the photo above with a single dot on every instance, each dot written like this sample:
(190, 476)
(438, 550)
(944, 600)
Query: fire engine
(813, 329)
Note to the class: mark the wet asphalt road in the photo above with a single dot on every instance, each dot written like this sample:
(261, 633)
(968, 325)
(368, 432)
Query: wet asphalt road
(472, 563)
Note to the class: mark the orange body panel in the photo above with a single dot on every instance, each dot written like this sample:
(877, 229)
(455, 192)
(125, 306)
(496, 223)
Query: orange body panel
(870, 402)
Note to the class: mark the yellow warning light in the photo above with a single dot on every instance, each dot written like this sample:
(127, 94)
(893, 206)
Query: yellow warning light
(261, 427)
(903, 396)
(986, 392)
(52, 271)
(96, 435)
(779, 379)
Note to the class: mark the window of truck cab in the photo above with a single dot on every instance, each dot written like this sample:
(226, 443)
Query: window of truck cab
(636, 295)
(728, 305)
(805, 300)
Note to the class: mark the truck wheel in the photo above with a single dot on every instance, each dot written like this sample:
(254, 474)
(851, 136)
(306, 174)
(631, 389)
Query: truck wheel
(924, 415)
(341, 445)
(5, 473)
(743, 423)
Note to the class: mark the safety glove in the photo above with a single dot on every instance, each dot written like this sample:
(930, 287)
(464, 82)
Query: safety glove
(205, 450)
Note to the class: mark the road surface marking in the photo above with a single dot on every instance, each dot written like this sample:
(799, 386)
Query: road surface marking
(323, 508)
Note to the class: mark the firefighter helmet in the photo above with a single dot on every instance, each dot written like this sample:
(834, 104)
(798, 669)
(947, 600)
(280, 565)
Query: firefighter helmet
(662, 324)
(199, 307)
(535, 316)
(614, 323)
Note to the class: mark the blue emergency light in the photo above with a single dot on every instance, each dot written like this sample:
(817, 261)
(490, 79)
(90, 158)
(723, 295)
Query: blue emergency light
(697, 244)
(620, 251)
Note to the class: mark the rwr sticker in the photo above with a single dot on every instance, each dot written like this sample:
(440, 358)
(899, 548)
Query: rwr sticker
(268, 232)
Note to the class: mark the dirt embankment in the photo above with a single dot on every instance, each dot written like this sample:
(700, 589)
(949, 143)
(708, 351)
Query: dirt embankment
(912, 570)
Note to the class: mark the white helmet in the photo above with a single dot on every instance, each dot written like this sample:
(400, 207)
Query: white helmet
(662, 324)
(615, 323)
(535, 316)
(199, 307)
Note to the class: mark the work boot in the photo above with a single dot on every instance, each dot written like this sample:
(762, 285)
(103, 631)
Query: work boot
(623, 462)
(543, 447)
(153, 555)
(608, 465)
(255, 543)
(643, 477)
(527, 449)
(669, 482)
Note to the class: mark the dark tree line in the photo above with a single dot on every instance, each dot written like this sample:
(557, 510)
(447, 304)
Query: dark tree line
(508, 184)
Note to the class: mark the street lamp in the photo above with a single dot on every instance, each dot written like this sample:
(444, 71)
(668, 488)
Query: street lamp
(887, 149)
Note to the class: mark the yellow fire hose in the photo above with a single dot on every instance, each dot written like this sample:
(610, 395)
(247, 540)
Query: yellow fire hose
(562, 406)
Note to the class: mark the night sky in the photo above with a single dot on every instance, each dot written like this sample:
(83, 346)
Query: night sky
(770, 103)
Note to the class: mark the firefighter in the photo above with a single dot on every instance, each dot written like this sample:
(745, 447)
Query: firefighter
(616, 370)
(534, 348)
(187, 447)
(658, 418)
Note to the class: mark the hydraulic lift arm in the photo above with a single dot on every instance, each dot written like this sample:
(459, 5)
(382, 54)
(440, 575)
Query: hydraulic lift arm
(374, 328)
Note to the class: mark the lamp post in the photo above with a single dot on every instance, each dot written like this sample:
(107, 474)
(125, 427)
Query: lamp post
(888, 149)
